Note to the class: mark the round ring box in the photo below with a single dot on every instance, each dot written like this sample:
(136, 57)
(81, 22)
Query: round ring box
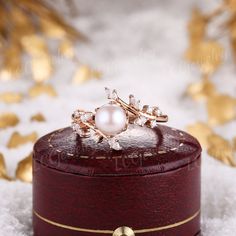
(149, 188)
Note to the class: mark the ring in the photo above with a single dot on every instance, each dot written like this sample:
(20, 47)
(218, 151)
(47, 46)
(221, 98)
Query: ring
(114, 118)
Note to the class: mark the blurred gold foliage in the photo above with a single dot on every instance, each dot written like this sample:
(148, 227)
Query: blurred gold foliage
(207, 53)
(66, 48)
(197, 26)
(84, 73)
(40, 89)
(3, 169)
(39, 117)
(11, 97)
(8, 119)
(221, 109)
(201, 131)
(27, 29)
(24, 169)
(221, 149)
(17, 139)
(201, 90)
(234, 143)
(24, 29)
(216, 146)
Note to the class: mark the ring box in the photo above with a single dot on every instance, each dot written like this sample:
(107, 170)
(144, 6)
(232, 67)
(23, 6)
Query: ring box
(149, 188)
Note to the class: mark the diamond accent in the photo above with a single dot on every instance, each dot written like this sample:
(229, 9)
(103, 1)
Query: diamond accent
(137, 104)
(157, 111)
(153, 123)
(114, 144)
(140, 121)
(81, 132)
(150, 110)
(97, 138)
(133, 102)
(86, 117)
(114, 95)
(108, 93)
(76, 127)
(76, 114)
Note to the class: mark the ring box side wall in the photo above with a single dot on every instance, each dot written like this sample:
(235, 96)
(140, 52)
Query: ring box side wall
(94, 197)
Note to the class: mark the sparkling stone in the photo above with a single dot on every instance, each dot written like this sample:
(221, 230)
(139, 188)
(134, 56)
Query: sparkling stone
(108, 92)
(97, 138)
(76, 127)
(158, 112)
(81, 132)
(153, 123)
(114, 94)
(110, 119)
(86, 117)
(76, 114)
(137, 104)
(111, 95)
(132, 100)
(145, 108)
(140, 121)
(114, 144)
(149, 110)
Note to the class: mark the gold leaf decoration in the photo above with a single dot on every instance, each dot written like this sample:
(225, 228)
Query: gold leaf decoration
(42, 68)
(11, 67)
(43, 10)
(38, 117)
(66, 48)
(8, 119)
(21, 22)
(201, 90)
(233, 45)
(231, 5)
(85, 73)
(24, 30)
(11, 97)
(41, 63)
(17, 139)
(201, 131)
(231, 25)
(34, 45)
(52, 29)
(197, 26)
(234, 143)
(207, 54)
(24, 170)
(40, 89)
(206, 51)
(221, 109)
(221, 149)
(3, 169)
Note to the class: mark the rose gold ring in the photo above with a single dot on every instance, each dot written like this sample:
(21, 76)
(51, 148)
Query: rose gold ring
(113, 118)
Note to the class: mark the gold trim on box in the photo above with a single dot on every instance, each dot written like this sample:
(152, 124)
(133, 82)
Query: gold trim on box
(102, 231)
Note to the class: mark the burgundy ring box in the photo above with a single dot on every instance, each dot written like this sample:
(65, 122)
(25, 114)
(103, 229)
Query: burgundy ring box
(149, 188)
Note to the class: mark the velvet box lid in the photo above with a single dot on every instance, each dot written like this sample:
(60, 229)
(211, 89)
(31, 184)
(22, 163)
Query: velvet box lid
(150, 187)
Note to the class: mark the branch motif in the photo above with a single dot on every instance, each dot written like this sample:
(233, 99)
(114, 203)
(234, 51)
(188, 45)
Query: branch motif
(83, 122)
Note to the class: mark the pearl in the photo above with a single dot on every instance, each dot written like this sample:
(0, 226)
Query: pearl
(110, 119)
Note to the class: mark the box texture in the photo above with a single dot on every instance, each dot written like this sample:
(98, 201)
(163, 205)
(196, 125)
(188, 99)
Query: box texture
(149, 188)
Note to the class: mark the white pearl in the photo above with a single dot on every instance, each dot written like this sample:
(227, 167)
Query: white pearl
(110, 119)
